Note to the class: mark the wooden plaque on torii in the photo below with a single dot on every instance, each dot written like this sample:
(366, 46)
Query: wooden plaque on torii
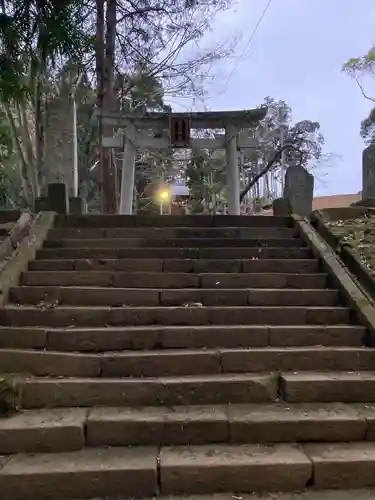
(179, 130)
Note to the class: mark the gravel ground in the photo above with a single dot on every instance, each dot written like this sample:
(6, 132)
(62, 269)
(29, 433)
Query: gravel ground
(359, 233)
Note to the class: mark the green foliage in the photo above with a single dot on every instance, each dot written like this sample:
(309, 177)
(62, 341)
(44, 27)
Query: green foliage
(35, 34)
(367, 130)
(304, 135)
(363, 64)
(9, 397)
(359, 68)
(205, 178)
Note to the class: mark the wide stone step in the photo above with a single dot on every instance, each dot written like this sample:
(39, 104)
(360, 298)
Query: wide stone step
(172, 232)
(241, 468)
(174, 280)
(88, 252)
(84, 473)
(188, 390)
(96, 339)
(269, 423)
(69, 429)
(87, 296)
(44, 430)
(348, 494)
(198, 469)
(144, 471)
(207, 469)
(115, 221)
(180, 362)
(351, 386)
(180, 265)
(68, 316)
(173, 242)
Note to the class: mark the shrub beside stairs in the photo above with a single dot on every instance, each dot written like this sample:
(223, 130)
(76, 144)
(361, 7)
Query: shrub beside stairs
(184, 356)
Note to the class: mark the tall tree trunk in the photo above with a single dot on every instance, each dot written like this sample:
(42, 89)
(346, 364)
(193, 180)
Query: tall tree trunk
(99, 63)
(39, 135)
(105, 58)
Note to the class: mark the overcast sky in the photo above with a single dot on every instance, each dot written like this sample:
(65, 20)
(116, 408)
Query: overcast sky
(297, 55)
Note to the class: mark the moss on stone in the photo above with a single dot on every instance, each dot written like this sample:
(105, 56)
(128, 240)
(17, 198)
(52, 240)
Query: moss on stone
(9, 397)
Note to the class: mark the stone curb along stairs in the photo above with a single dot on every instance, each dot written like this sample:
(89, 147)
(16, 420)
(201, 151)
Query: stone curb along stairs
(169, 356)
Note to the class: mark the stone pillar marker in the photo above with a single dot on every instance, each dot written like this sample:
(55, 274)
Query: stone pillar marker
(299, 190)
(232, 171)
(368, 172)
(77, 205)
(57, 195)
(127, 177)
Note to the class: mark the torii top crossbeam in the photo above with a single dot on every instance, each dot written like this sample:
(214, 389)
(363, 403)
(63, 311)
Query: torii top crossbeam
(198, 120)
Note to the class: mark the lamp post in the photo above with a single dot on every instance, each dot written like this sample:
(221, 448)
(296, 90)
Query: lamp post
(164, 195)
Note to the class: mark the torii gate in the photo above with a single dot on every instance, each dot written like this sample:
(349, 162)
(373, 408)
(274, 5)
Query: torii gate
(173, 130)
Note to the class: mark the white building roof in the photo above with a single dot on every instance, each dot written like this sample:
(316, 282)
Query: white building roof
(179, 190)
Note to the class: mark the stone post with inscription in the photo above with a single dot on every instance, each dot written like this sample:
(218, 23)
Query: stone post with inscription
(299, 190)
(368, 172)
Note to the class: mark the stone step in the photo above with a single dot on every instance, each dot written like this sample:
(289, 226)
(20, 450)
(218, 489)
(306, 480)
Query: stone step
(187, 390)
(85, 473)
(351, 386)
(45, 430)
(173, 243)
(145, 471)
(69, 429)
(349, 494)
(342, 465)
(181, 362)
(180, 265)
(172, 232)
(115, 221)
(175, 253)
(198, 469)
(86, 296)
(228, 467)
(268, 423)
(213, 468)
(68, 316)
(179, 337)
(174, 280)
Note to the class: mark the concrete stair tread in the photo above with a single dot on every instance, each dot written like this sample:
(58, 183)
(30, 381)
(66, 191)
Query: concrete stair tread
(180, 362)
(220, 388)
(186, 242)
(69, 429)
(89, 252)
(164, 280)
(84, 472)
(205, 469)
(39, 392)
(344, 386)
(64, 316)
(201, 221)
(182, 265)
(361, 494)
(94, 295)
(177, 231)
(99, 339)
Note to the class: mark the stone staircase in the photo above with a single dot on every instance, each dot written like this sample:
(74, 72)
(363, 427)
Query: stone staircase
(183, 356)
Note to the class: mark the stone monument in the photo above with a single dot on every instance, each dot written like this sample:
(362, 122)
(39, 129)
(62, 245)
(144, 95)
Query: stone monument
(368, 172)
(299, 190)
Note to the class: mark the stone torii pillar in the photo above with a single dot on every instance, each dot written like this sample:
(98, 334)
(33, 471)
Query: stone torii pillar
(127, 175)
(232, 170)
